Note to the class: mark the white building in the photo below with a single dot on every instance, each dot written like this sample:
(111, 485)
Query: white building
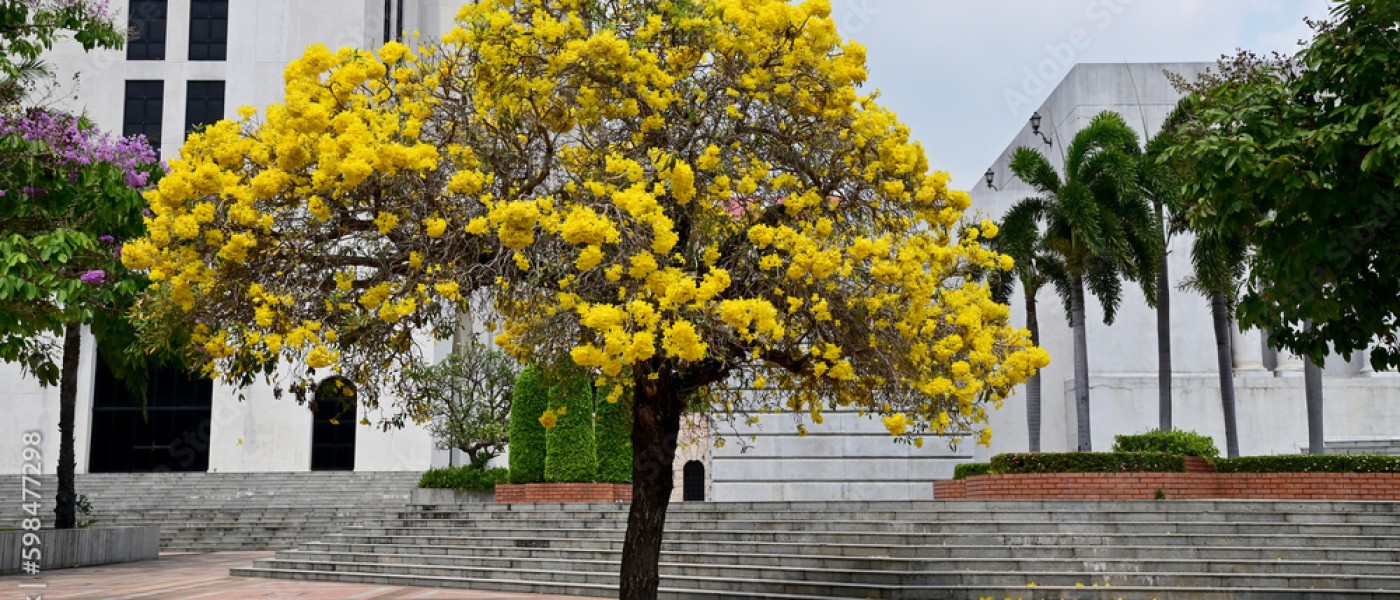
(195, 61)
(1123, 357)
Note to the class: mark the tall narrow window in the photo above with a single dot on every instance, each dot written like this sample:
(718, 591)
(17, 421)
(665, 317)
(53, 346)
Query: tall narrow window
(208, 29)
(145, 100)
(204, 104)
(146, 21)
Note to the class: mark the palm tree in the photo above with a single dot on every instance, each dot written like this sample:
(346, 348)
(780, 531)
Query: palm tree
(1161, 182)
(1218, 267)
(1021, 239)
(1098, 226)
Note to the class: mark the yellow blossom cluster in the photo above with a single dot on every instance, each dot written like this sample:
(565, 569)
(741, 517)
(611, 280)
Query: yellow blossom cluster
(688, 193)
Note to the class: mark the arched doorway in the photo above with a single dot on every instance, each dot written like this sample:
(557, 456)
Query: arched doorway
(333, 426)
(693, 482)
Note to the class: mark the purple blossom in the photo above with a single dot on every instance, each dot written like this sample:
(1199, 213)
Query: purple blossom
(93, 277)
(74, 146)
(106, 239)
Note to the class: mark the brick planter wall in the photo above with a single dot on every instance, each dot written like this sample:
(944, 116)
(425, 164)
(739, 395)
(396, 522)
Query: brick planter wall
(564, 492)
(1180, 486)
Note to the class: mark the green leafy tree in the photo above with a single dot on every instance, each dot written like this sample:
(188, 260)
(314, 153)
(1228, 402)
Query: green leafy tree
(1098, 226)
(466, 399)
(571, 448)
(29, 28)
(529, 400)
(614, 434)
(72, 194)
(1302, 156)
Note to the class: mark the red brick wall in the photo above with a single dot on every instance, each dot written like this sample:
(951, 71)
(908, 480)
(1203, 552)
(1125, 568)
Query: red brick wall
(564, 492)
(1182, 486)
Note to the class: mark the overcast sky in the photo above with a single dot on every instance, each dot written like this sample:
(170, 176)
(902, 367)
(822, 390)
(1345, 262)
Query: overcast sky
(965, 75)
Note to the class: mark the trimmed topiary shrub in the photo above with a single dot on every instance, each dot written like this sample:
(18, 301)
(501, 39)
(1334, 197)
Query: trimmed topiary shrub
(614, 437)
(1311, 463)
(965, 470)
(1087, 462)
(571, 450)
(1175, 441)
(464, 479)
(528, 401)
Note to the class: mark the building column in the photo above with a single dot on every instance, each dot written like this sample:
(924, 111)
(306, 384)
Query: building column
(1247, 347)
(1289, 364)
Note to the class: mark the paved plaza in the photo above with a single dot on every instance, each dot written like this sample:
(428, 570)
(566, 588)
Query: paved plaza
(205, 577)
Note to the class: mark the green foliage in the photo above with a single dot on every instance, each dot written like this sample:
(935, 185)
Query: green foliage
(529, 400)
(973, 469)
(614, 438)
(466, 478)
(1087, 462)
(1311, 463)
(1176, 441)
(571, 453)
(467, 399)
(28, 29)
(1301, 156)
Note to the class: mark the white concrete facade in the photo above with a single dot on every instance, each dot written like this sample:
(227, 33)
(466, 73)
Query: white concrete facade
(1123, 356)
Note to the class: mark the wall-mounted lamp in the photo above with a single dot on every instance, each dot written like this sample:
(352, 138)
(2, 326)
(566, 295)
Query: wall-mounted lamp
(1035, 128)
(990, 178)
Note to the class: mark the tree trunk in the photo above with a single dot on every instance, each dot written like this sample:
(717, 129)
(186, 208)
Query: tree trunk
(1225, 361)
(66, 497)
(1081, 361)
(1033, 385)
(1312, 382)
(1164, 339)
(656, 413)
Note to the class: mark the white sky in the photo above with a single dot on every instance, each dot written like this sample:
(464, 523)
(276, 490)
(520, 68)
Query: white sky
(965, 75)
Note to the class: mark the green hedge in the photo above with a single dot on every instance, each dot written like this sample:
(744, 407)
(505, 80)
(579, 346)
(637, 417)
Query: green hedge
(614, 433)
(1176, 441)
(464, 479)
(527, 438)
(1311, 463)
(965, 470)
(1087, 462)
(571, 450)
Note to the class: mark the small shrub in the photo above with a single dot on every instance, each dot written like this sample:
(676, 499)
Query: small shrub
(571, 447)
(466, 478)
(1087, 462)
(614, 439)
(529, 400)
(1159, 495)
(1175, 441)
(973, 469)
(1311, 463)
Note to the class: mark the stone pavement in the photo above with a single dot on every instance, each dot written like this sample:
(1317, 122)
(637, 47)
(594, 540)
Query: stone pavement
(205, 577)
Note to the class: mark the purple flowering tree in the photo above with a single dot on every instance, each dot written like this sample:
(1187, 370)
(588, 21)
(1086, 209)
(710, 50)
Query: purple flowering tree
(69, 195)
(29, 28)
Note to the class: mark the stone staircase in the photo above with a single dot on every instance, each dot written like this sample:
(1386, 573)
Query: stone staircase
(227, 511)
(913, 549)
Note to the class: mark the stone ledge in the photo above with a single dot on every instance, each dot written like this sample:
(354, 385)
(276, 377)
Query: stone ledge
(63, 548)
(437, 496)
(1176, 486)
(564, 492)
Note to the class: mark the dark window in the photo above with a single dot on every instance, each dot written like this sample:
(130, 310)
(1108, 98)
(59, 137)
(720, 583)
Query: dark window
(145, 100)
(208, 29)
(169, 433)
(204, 104)
(693, 482)
(333, 426)
(146, 20)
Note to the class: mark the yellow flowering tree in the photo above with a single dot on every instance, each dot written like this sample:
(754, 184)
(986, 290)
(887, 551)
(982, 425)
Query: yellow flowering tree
(678, 195)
